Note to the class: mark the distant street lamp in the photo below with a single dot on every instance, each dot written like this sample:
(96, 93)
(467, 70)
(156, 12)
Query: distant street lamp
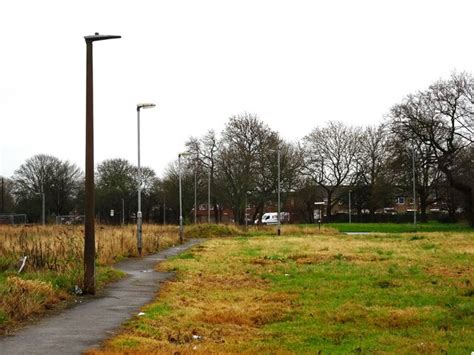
(246, 206)
(43, 206)
(414, 185)
(123, 212)
(181, 232)
(209, 197)
(164, 209)
(279, 189)
(139, 212)
(195, 188)
(89, 205)
(350, 213)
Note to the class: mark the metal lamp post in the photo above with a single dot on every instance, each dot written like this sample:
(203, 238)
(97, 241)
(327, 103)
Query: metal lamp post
(89, 205)
(279, 189)
(414, 185)
(164, 209)
(139, 212)
(247, 193)
(43, 206)
(209, 197)
(181, 232)
(123, 212)
(350, 212)
(246, 205)
(195, 188)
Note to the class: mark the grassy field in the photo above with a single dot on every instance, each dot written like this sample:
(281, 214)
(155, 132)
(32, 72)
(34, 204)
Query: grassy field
(331, 293)
(54, 264)
(400, 227)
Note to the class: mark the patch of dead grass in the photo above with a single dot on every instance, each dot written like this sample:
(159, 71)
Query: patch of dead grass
(23, 298)
(398, 318)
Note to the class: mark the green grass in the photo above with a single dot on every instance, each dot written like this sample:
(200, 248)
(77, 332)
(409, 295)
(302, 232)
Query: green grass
(400, 228)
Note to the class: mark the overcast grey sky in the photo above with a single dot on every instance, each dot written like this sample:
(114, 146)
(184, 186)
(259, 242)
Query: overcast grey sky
(296, 64)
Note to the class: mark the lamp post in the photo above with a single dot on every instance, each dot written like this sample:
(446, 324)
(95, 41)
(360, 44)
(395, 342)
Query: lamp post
(195, 188)
(2, 210)
(279, 207)
(139, 212)
(123, 212)
(164, 210)
(43, 206)
(209, 197)
(414, 185)
(181, 232)
(279, 189)
(350, 215)
(247, 193)
(89, 205)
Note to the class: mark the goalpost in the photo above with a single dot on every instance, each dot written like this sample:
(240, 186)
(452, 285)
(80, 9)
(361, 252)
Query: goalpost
(14, 219)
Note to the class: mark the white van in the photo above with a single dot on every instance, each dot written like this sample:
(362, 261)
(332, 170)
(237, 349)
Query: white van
(272, 218)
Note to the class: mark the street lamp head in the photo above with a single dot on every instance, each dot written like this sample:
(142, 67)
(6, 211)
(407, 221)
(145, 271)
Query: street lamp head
(98, 37)
(145, 105)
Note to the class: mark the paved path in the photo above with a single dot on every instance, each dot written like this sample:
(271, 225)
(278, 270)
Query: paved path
(85, 325)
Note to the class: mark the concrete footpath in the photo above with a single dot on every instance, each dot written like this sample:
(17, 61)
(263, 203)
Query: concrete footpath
(87, 324)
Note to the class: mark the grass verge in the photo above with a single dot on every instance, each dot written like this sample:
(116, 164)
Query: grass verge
(401, 227)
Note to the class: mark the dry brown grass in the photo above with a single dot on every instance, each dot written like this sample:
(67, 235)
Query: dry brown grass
(55, 255)
(23, 298)
(60, 248)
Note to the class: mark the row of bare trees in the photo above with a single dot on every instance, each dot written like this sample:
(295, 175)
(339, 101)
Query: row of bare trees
(432, 129)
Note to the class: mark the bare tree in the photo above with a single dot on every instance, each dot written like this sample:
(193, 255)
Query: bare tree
(205, 149)
(428, 177)
(371, 176)
(330, 158)
(60, 182)
(244, 162)
(442, 118)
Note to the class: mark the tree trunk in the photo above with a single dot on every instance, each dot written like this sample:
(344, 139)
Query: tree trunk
(467, 192)
(310, 210)
(329, 207)
(423, 207)
(216, 212)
